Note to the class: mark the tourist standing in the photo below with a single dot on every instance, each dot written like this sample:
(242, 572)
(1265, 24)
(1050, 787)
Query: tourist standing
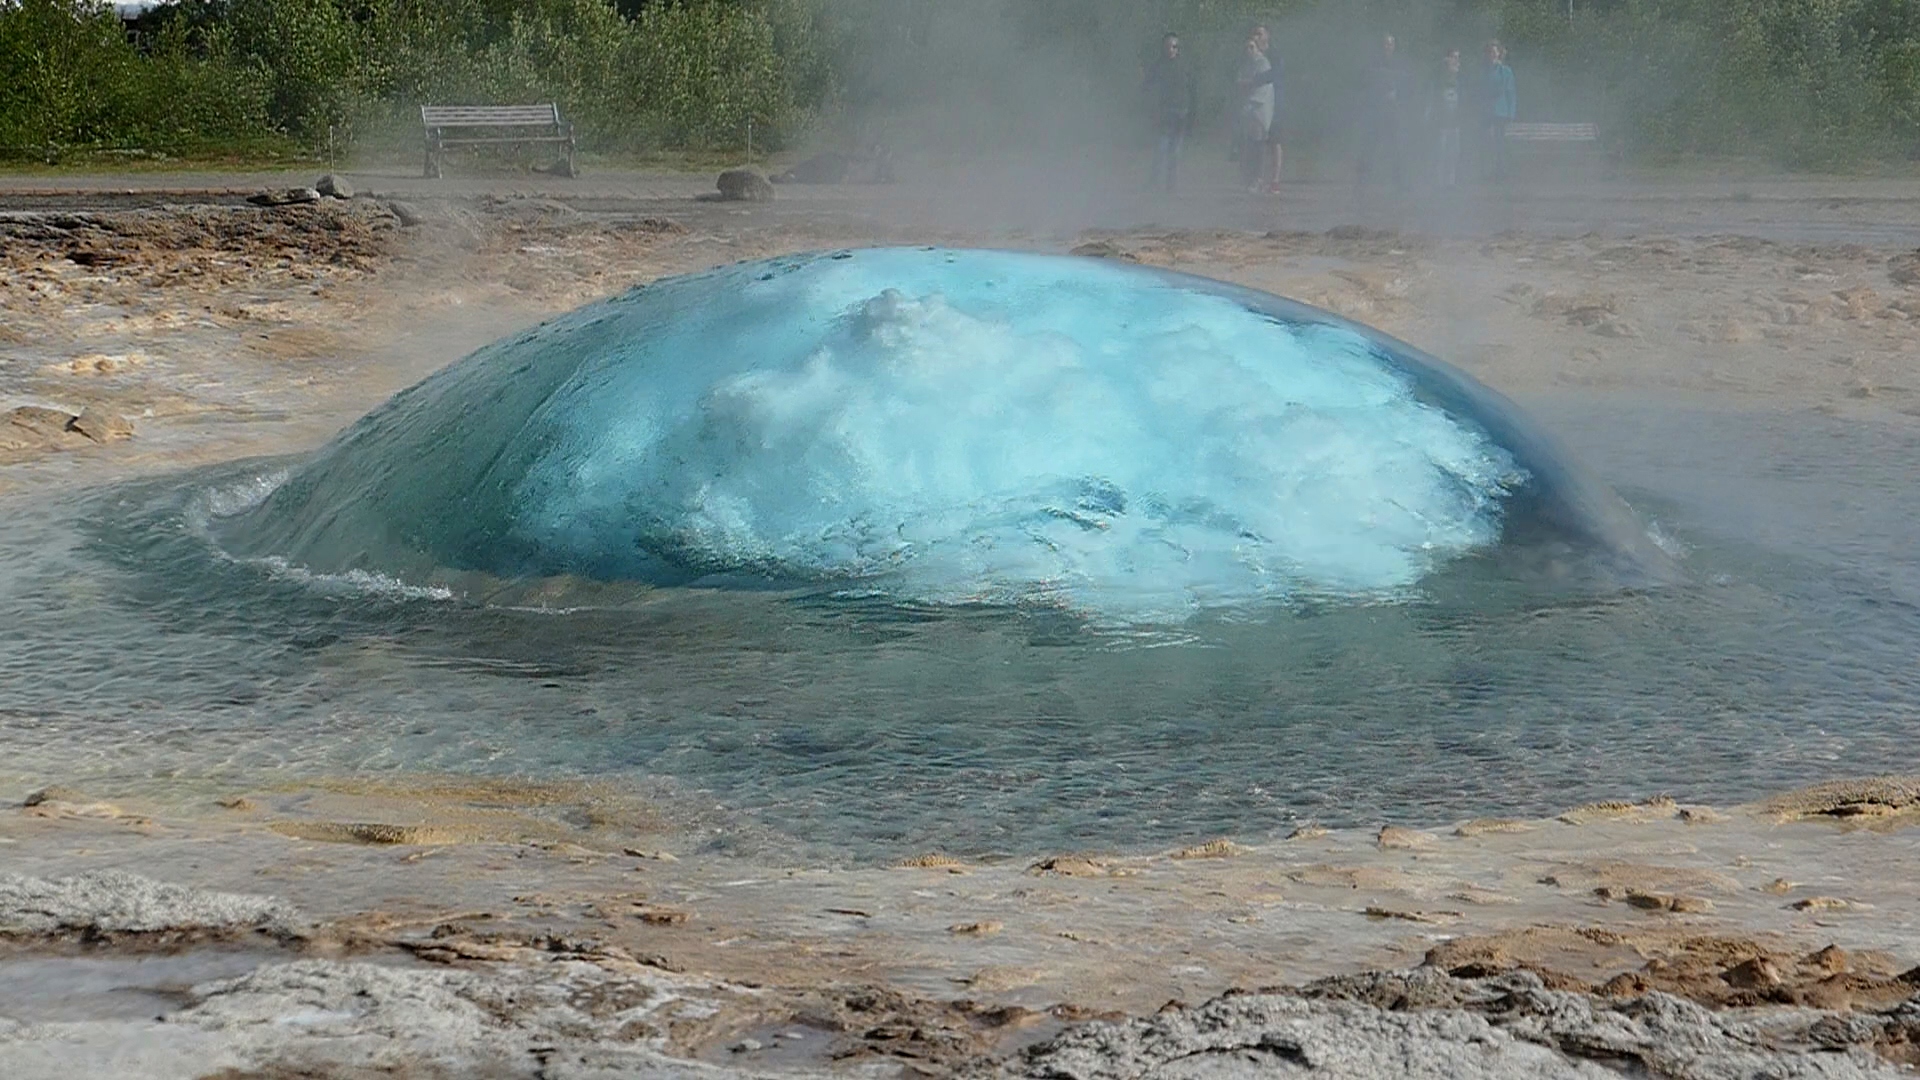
(1383, 101)
(1446, 122)
(1499, 103)
(1170, 94)
(1254, 79)
(1275, 126)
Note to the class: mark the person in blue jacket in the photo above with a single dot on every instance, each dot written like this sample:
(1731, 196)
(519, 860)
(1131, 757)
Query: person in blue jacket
(1499, 102)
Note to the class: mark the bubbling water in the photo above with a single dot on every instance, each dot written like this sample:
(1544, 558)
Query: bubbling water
(928, 425)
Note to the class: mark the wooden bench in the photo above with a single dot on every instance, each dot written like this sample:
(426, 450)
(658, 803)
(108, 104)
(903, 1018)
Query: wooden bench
(1559, 141)
(484, 125)
(1554, 133)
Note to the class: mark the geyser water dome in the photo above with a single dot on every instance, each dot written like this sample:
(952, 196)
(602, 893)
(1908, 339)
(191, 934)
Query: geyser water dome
(947, 426)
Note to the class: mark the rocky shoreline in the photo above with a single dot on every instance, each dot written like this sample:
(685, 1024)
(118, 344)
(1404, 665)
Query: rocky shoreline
(402, 953)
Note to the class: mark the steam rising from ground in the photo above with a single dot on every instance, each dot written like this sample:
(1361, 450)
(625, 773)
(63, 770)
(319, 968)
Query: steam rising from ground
(939, 426)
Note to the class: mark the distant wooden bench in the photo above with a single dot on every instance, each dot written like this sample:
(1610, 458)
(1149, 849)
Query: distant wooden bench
(482, 125)
(1559, 141)
(1554, 133)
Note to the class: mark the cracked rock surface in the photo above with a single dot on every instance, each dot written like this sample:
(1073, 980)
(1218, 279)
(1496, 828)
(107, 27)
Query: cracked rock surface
(110, 903)
(1502, 1028)
(322, 1018)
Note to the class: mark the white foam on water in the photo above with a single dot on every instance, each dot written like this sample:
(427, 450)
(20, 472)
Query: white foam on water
(945, 427)
(239, 497)
(1020, 429)
(353, 583)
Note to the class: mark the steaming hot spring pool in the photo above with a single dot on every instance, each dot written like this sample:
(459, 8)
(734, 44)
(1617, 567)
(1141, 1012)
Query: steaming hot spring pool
(880, 551)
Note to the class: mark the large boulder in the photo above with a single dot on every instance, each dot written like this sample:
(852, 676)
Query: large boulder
(744, 185)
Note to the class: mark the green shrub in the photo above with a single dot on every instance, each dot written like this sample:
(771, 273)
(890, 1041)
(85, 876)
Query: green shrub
(65, 69)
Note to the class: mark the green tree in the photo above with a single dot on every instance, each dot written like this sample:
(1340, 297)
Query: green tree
(65, 69)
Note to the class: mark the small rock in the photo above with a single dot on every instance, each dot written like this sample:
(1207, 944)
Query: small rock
(1701, 815)
(1657, 808)
(97, 364)
(744, 185)
(61, 802)
(1221, 848)
(238, 802)
(1755, 974)
(1904, 269)
(370, 833)
(1625, 984)
(1823, 903)
(285, 197)
(1833, 960)
(1309, 831)
(1779, 885)
(999, 978)
(1395, 837)
(747, 1046)
(976, 929)
(46, 423)
(1070, 866)
(102, 426)
(1652, 901)
(1376, 912)
(408, 213)
(334, 187)
(1103, 249)
(663, 916)
(94, 256)
(1875, 796)
(1482, 826)
(654, 854)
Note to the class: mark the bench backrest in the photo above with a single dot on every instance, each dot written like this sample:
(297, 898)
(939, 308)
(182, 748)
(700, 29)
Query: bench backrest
(1554, 132)
(437, 116)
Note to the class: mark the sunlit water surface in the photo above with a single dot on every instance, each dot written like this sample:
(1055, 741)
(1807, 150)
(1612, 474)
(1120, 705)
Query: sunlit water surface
(137, 654)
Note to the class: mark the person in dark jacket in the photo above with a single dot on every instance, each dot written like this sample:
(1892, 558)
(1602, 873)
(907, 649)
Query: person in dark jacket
(1383, 104)
(1171, 97)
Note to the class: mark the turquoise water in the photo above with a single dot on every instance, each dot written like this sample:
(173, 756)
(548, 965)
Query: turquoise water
(834, 570)
(933, 426)
(137, 651)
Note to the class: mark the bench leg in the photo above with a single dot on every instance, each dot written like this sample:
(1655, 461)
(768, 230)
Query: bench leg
(432, 169)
